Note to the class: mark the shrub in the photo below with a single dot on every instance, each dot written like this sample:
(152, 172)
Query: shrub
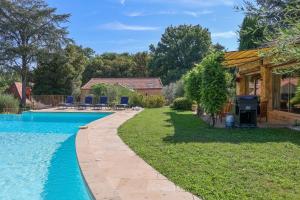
(113, 92)
(296, 98)
(214, 90)
(8, 104)
(182, 103)
(173, 91)
(154, 101)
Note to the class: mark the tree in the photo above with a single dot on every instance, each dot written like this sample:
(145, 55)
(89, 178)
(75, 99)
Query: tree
(117, 66)
(251, 36)
(193, 85)
(272, 14)
(7, 77)
(282, 29)
(178, 50)
(213, 86)
(218, 47)
(26, 28)
(60, 72)
(52, 76)
(141, 60)
(76, 62)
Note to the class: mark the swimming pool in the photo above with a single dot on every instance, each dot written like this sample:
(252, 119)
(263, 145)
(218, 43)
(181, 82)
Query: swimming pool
(38, 157)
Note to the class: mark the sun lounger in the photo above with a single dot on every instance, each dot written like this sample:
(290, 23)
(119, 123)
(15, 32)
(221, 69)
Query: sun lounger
(123, 103)
(103, 102)
(69, 102)
(88, 102)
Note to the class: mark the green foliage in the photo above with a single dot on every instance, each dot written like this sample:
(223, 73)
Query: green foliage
(7, 77)
(215, 164)
(8, 104)
(60, 73)
(28, 27)
(214, 90)
(117, 66)
(280, 21)
(193, 83)
(179, 49)
(182, 103)
(76, 62)
(273, 14)
(296, 98)
(153, 101)
(173, 90)
(113, 92)
(251, 36)
(52, 76)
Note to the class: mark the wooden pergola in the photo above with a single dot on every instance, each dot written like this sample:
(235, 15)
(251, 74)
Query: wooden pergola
(250, 63)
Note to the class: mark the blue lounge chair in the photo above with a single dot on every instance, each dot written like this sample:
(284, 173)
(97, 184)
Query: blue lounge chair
(123, 103)
(103, 102)
(88, 101)
(69, 102)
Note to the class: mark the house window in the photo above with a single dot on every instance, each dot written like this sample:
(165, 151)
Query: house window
(284, 91)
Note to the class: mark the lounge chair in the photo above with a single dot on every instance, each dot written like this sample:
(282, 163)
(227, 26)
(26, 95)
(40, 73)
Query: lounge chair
(123, 103)
(103, 102)
(88, 102)
(69, 102)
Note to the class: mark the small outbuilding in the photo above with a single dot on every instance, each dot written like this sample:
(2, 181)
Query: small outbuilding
(145, 86)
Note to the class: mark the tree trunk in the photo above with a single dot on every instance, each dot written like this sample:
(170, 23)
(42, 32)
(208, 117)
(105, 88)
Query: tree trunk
(24, 81)
(213, 120)
(199, 110)
(23, 99)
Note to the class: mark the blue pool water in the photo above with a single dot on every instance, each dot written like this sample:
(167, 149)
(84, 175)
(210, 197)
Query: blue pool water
(38, 157)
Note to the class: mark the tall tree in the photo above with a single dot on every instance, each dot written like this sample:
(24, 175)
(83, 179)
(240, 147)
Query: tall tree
(251, 35)
(76, 63)
(214, 87)
(178, 50)
(60, 72)
(141, 60)
(272, 14)
(52, 76)
(117, 66)
(26, 27)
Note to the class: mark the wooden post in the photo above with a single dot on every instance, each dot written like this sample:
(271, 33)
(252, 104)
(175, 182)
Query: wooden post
(241, 85)
(266, 86)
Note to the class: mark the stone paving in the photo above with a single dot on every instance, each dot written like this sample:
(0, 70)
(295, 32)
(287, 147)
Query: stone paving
(113, 171)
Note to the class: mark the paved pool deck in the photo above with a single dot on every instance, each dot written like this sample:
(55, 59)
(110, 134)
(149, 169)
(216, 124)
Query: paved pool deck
(113, 171)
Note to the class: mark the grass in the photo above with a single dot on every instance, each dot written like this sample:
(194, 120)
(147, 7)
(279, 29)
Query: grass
(217, 163)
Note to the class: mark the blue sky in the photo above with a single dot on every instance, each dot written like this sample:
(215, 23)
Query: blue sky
(132, 25)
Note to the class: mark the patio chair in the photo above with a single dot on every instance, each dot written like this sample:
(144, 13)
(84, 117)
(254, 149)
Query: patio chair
(123, 103)
(68, 103)
(88, 102)
(103, 102)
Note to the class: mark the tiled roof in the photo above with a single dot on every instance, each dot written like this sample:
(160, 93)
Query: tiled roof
(18, 86)
(133, 83)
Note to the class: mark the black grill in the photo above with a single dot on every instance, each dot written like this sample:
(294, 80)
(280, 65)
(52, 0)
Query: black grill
(246, 108)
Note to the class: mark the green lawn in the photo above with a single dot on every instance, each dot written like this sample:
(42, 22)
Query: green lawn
(217, 163)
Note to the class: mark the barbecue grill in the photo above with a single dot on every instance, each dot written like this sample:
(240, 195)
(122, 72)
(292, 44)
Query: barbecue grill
(246, 110)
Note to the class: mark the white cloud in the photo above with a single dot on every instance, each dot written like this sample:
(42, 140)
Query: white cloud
(190, 3)
(197, 14)
(226, 35)
(125, 27)
(135, 14)
(122, 2)
(168, 12)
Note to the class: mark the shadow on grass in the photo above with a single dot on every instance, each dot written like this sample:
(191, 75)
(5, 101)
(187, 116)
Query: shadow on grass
(189, 128)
